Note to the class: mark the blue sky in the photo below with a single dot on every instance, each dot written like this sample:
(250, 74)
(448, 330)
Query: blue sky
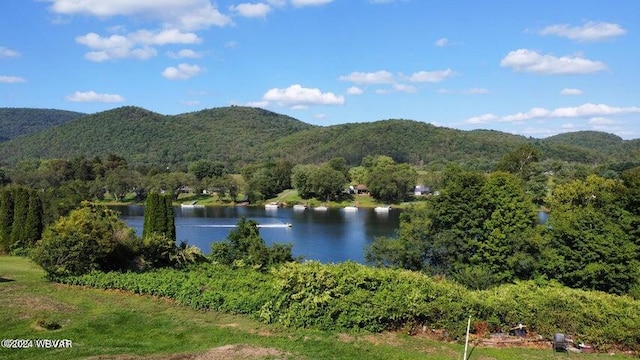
(534, 68)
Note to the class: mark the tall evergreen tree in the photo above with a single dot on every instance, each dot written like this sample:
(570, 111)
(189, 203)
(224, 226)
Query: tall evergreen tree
(159, 216)
(20, 211)
(6, 219)
(34, 221)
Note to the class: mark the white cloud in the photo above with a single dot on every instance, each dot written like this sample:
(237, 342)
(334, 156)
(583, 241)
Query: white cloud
(442, 42)
(591, 31)
(163, 37)
(181, 72)
(482, 119)
(431, 76)
(587, 110)
(6, 53)
(533, 113)
(404, 88)
(190, 102)
(301, 3)
(354, 90)
(378, 77)
(252, 10)
(296, 95)
(136, 45)
(92, 96)
(523, 60)
(113, 47)
(186, 14)
(569, 92)
(11, 79)
(184, 54)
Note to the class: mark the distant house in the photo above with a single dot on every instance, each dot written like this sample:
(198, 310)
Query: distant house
(421, 190)
(361, 189)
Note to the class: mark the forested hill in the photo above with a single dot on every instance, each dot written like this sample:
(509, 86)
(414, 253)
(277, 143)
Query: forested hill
(240, 135)
(404, 140)
(22, 121)
(144, 137)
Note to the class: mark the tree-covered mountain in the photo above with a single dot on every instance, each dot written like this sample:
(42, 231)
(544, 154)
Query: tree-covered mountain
(22, 121)
(240, 135)
(232, 134)
(404, 140)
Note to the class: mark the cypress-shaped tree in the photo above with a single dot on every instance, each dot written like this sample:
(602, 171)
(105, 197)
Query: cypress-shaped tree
(170, 217)
(159, 216)
(150, 206)
(6, 219)
(34, 222)
(20, 210)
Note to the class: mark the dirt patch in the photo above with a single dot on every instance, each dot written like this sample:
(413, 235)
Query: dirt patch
(226, 352)
(242, 351)
(387, 338)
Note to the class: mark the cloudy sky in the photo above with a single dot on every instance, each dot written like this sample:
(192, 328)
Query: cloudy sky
(535, 68)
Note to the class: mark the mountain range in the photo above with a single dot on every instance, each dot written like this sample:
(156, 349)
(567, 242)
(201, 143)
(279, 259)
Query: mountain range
(241, 135)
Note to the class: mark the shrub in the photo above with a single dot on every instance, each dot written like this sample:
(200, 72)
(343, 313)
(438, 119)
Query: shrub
(90, 238)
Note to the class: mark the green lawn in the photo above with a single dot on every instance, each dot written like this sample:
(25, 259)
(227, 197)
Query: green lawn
(113, 324)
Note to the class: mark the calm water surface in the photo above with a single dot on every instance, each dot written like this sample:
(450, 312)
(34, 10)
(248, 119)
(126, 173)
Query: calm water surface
(327, 236)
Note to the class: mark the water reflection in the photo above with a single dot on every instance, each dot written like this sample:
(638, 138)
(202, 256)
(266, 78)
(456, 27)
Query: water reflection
(327, 236)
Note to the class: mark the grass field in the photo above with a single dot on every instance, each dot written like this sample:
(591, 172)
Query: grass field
(116, 325)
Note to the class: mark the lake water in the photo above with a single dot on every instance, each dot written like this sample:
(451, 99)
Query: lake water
(329, 236)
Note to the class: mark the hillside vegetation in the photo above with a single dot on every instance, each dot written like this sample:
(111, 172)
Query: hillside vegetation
(241, 135)
(144, 137)
(116, 324)
(15, 122)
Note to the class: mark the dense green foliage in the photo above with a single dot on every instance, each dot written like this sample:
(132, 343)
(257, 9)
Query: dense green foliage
(387, 181)
(320, 181)
(239, 135)
(21, 219)
(16, 122)
(266, 180)
(244, 246)
(90, 238)
(159, 216)
(482, 231)
(349, 296)
(594, 236)
(229, 135)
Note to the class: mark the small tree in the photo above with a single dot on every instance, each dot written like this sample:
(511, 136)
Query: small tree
(244, 244)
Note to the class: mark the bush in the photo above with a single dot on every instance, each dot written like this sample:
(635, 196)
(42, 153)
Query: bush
(90, 238)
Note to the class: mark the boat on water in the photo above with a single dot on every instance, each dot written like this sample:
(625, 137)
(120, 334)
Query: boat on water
(299, 207)
(288, 225)
(382, 208)
(320, 208)
(285, 225)
(271, 206)
(350, 208)
(191, 205)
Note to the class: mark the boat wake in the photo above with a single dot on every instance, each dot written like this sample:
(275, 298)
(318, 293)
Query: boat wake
(287, 225)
